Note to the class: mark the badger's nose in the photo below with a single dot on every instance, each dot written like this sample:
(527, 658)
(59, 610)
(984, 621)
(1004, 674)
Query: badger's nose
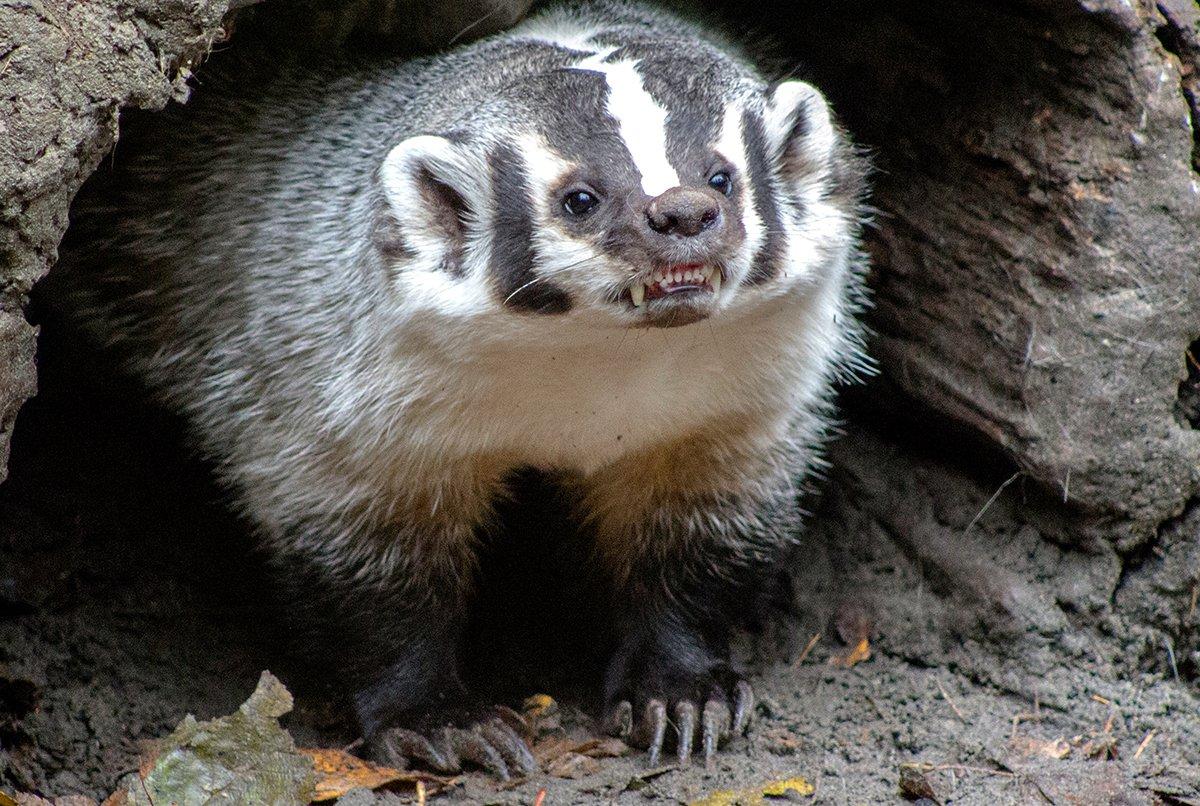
(682, 211)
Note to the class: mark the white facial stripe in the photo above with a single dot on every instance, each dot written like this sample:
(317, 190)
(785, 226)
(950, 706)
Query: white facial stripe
(732, 148)
(642, 122)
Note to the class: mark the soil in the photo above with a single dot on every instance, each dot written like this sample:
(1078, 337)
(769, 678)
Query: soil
(1010, 517)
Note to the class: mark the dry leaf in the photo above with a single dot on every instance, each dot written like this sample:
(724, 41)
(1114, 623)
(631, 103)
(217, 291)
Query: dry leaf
(245, 757)
(859, 653)
(338, 772)
(914, 785)
(1052, 748)
(758, 795)
(572, 765)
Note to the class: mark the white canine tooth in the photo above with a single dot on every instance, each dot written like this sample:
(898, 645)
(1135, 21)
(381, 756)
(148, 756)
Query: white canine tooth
(658, 276)
(638, 294)
(715, 281)
(706, 272)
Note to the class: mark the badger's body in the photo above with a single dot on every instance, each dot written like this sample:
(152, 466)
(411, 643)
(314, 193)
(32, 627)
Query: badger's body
(377, 292)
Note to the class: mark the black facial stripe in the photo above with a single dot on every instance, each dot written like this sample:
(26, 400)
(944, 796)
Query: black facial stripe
(512, 258)
(767, 263)
(573, 109)
(694, 111)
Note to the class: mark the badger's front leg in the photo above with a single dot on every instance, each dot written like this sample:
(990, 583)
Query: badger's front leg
(388, 585)
(688, 532)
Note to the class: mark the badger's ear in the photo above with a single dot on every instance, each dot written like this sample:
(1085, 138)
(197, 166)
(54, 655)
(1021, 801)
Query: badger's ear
(433, 191)
(799, 129)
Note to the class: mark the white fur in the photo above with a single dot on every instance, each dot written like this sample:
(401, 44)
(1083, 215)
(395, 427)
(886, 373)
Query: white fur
(641, 121)
(790, 100)
(732, 148)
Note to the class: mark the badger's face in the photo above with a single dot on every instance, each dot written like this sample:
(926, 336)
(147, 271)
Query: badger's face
(637, 184)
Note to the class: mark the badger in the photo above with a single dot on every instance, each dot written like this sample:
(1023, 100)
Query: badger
(601, 245)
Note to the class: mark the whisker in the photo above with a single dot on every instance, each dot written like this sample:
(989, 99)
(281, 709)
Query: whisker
(522, 288)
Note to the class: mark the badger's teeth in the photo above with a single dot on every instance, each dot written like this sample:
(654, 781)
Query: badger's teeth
(638, 294)
(715, 281)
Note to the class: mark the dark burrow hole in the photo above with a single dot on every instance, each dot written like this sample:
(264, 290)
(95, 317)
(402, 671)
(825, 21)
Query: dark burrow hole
(119, 562)
(1187, 405)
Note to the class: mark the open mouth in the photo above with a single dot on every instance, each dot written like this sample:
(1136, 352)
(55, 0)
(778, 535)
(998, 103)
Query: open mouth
(677, 279)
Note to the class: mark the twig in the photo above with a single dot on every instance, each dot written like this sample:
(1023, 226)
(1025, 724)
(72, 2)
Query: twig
(949, 701)
(420, 793)
(812, 642)
(991, 501)
(1171, 657)
(927, 767)
(6, 58)
(1145, 742)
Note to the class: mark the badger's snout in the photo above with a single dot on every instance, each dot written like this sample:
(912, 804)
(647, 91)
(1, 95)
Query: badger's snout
(683, 212)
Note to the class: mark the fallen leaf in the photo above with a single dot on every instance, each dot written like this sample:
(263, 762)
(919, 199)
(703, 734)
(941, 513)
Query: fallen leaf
(572, 765)
(542, 714)
(1048, 748)
(554, 754)
(757, 795)
(857, 654)
(245, 757)
(608, 747)
(914, 785)
(854, 622)
(338, 772)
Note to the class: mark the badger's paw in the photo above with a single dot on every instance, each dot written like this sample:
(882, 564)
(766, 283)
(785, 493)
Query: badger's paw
(492, 739)
(707, 711)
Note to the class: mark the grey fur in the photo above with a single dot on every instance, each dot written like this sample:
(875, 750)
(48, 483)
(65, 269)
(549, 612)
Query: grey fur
(249, 280)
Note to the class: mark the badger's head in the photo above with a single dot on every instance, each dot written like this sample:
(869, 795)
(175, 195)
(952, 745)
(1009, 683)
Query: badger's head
(626, 180)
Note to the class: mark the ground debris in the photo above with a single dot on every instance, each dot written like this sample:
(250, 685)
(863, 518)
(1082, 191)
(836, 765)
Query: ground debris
(1050, 748)
(782, 789)
(245, 757)
(560, 752)
(855, 624)
(338, 772)
(914, 785)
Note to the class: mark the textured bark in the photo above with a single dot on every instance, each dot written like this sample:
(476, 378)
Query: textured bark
(66, 69)
(1036, 261)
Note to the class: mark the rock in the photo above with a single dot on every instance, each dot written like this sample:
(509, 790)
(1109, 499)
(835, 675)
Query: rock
(66, 69)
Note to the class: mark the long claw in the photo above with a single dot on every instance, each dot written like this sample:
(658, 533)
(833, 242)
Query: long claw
(620, 720)
(743, 707)
(685, 727)
(715, 721)
(500, 735)
(472, 746)
(401, 745)
(655, 716)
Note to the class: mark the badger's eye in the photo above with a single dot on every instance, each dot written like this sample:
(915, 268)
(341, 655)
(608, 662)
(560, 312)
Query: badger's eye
(579, 202)
(721, 182)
